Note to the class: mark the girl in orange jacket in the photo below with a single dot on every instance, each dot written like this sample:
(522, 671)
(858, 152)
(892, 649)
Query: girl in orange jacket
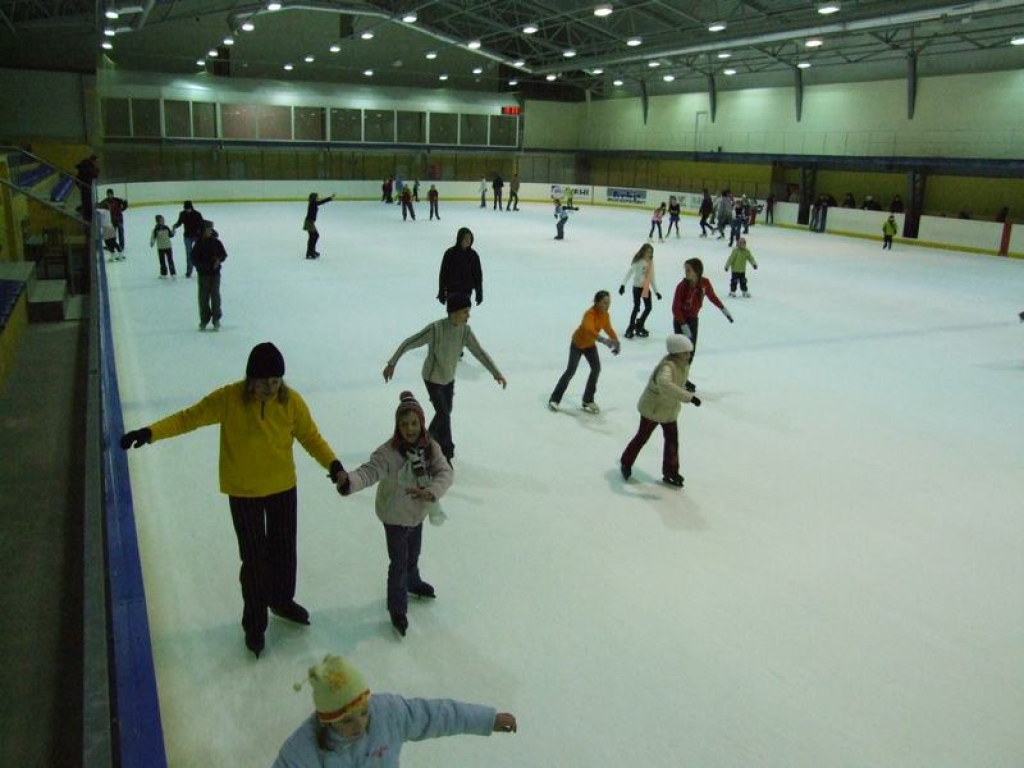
(584, 344)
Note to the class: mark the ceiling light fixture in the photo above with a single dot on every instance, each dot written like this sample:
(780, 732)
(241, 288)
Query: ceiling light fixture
(668, 78)
(229, 40)
(513, 83)
(478, 70)
(107, 45)
(617, 82)
(804, 65)
(112, 14)
(273, 6)
(827, 9)
(597, 71)
(1019, 40)
(473, 45)
(310, 59)
(288, 67)
(605, 9)
(248, 26)
(552, 78)
(200, 62)
(212, 53)
(653, 64)
(519, 63)
(724, 54)
(109, 32)
(368, 72)
(633, 42)
(530, 29)
(442, 77)
(569, 53)
(717, 26)
(335, 48)
(431, 55)
(729, 72)
(814, 42)
(367, 35)
(410, 18)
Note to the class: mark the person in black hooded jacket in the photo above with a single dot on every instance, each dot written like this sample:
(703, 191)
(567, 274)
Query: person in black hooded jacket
(460, 269)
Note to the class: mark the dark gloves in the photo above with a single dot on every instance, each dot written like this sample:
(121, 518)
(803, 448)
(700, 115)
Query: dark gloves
(622, 290)
(136, 438)
(441, 297)
(658, 295)
(334, 469)
(695, 401)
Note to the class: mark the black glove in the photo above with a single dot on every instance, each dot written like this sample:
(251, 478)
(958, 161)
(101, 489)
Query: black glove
(695, 401)
(334, 469)
(622, 290)
(136, 438)
(441, 297)
(658, 295)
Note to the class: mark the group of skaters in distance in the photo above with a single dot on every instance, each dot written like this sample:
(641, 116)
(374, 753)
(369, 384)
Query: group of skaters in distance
(394, 190)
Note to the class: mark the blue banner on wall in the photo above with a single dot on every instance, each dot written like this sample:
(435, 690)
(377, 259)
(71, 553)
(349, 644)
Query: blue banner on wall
(617, 195)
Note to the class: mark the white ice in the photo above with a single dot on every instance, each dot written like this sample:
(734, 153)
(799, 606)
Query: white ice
(838, 584)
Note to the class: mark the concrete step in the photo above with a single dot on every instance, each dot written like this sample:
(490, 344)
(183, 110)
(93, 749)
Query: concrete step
(46, 300)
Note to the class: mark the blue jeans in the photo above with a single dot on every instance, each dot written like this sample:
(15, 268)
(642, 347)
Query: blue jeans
(575, 353)
(189, 244)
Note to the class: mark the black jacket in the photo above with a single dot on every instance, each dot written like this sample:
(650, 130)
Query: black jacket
(192, 221)
(460, 271)
(207, 255)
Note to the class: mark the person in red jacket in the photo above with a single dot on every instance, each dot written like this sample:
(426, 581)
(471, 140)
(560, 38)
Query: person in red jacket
(689, 299)
(584, 344)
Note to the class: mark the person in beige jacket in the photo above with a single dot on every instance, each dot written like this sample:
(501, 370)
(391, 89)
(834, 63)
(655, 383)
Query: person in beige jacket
(659, 404)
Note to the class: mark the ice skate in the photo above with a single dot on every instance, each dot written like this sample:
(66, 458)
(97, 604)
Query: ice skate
(746, 295)
(732, 294)
(676, 480)
(629, 333)
(254, 642)
(216, 325)
(399, 622)
(291, 611)
(591, 408)
(423, 590)
(625, 469)
(552, 405)
(643, 333)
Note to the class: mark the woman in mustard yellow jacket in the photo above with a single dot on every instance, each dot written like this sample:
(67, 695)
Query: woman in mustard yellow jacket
(260, 418)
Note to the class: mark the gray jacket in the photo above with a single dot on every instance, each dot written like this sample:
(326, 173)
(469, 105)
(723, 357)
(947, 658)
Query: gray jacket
(445, 342)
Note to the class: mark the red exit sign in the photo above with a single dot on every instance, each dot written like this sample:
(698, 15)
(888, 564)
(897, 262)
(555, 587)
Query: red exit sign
(511, 110)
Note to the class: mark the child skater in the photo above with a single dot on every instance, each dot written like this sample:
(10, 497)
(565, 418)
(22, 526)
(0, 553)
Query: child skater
(737, 262)
(660, 404)
(561, 216)
(407, 208)
(656, 217)
(353, 728)
(888, 232)
(673, 215)
(413, 474)
(689, 299)
(109, 234)
(642, 271)
(309, 225)
(161, 238)
(584, 344)
(739, 221)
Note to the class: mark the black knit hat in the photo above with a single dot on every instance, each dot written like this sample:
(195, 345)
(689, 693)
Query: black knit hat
(457, 301)
(265, 362)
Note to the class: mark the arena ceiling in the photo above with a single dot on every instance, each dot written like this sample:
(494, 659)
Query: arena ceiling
(416, 44)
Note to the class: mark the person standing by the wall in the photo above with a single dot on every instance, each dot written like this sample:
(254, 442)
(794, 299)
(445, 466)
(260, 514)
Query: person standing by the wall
(309, 224)
(483, 192)
(208, 254)
(407, 209)
(513, 194)
(116, 206)
(432, 201)
(769, 209)
(192, 221)
(499, 185)
(260, 419)
(889, 229)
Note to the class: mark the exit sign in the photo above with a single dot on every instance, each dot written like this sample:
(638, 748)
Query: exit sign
(511, 110)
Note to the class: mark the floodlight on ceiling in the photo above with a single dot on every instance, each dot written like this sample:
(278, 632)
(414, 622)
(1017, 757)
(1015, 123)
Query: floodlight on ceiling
(443, 76)
(724, 54)
(530, 29)
(112, 14)
(668, 78)
(633, 42)
(368, 72)
(212, 53)
(410, 18)
(814, 42)
(107, 45)
(569, 53)
(109, 32)
(1019, 40)
(617, 82)
(309, 59)
(597, 71)
(478, 70)
(717, 26)
(551, 78)
(229, 40)
(200, 62)
(248, 26)
(519, 63)
(729, 72)
(804, 65)
(273, 6)
(653, 64)
(288, 67)
(367, 35)
(335, 48)
(605, 9)
(431, 55)
(473, 45)
(513, 83)
(827, 9)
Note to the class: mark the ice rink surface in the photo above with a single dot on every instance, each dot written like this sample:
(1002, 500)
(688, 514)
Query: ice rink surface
(838, 584)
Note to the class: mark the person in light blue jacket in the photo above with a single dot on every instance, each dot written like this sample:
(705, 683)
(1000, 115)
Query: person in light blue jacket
(352, 727)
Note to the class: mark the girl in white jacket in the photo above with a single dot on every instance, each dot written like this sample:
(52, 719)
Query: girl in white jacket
(413, 474)
(641, 273)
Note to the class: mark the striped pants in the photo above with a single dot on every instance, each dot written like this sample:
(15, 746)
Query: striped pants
(265, 527)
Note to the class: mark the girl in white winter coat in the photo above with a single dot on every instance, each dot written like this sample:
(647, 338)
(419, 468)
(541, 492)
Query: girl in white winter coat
(641, 274)
(413, 474)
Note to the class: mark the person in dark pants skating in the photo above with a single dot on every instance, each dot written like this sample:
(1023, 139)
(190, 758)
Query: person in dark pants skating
(309, 224)
(584, 344)
(445, 340)
(192, 221)
(260, 418)
(460, 270)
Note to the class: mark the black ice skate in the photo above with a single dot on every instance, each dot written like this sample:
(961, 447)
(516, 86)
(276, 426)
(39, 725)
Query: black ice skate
(676, 480)
(291, 611)
(399, 622)
(423, 590)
